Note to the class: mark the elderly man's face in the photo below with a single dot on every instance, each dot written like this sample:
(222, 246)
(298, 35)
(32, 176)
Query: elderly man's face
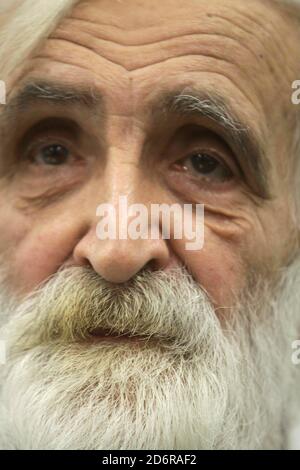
(132, 142)
(184, 102)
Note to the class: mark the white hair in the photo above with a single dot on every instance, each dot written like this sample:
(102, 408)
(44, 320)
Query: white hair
(24, 25)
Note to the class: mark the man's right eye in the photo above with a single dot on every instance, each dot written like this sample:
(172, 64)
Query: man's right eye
(52, 155)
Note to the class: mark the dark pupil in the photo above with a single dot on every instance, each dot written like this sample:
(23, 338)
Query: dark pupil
(204, 163)
(55, 155)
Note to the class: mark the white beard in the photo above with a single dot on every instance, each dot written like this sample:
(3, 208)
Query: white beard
(197, 384)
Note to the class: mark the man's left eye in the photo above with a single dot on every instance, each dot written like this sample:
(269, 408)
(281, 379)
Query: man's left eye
(54, 155)
(204, 165)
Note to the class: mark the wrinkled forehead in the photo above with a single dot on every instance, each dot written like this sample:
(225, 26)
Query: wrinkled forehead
(259, 27)
(246, 49)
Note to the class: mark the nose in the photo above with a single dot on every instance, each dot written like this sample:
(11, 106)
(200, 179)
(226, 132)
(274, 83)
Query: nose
(118, 261)
(118, 256)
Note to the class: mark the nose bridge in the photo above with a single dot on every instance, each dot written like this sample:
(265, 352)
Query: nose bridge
(108, 245)
(125, 198)
(123, 177)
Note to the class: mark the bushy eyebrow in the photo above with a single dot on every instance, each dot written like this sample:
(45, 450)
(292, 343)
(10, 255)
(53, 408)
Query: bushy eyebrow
(248, 146)
(57, 93)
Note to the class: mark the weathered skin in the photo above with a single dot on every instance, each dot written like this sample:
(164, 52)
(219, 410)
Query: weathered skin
(130, 52)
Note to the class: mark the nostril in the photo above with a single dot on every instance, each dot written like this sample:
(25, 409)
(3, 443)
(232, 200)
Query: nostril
(83, 262)
(152, 265)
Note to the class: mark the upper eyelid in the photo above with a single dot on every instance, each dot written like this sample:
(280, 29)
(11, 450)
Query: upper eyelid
(191, 134)
(33, 139)
(50, 125)
(234, 168)
(39, 144)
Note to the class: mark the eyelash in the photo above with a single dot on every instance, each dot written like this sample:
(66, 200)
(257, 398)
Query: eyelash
(41, 143)
(210, 154)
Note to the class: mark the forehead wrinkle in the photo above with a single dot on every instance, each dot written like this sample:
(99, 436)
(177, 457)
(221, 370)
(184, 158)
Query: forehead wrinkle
(134, 69)
(157, 35)
(199, 21)
(267, 34)
(108, 47)
(226, 14)
(132, 66)
(129, 59)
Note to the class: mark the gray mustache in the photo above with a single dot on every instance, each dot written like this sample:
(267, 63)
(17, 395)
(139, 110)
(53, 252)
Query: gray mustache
(75, 303)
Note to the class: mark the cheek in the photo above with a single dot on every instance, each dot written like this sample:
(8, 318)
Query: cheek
(36, 252)
(217, 268)
(13, 229)
(38, 256)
